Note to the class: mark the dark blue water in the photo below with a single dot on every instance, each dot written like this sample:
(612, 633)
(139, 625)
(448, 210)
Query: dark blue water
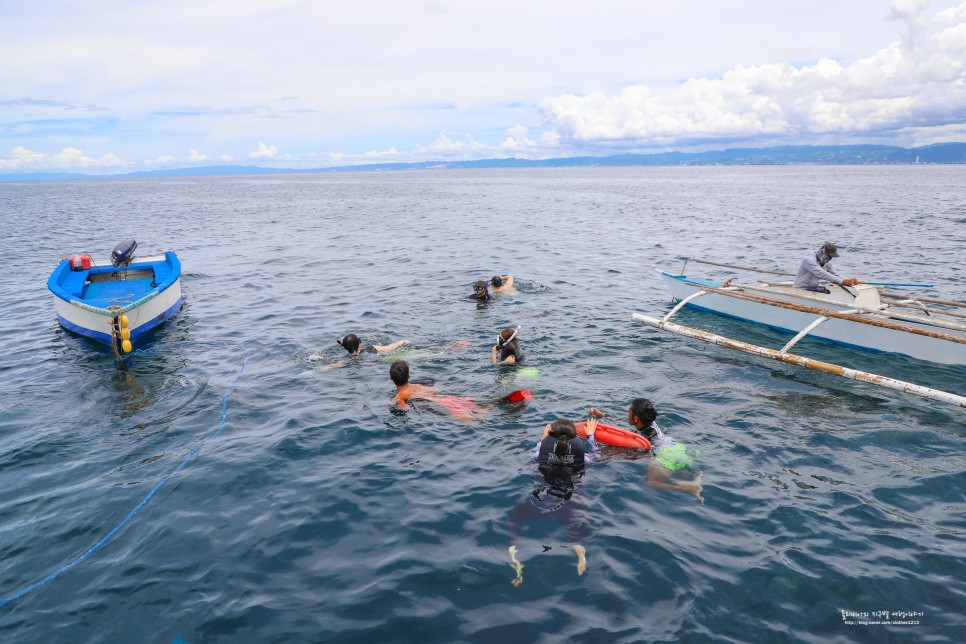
(320, 514)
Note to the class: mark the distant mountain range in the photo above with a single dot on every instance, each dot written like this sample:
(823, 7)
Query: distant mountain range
(784, 155)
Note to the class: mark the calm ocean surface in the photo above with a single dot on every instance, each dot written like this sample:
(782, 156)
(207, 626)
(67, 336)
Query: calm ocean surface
(320, 514)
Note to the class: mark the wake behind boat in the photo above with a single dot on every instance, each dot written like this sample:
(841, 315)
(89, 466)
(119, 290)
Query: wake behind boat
(863, 316)
(116, 302)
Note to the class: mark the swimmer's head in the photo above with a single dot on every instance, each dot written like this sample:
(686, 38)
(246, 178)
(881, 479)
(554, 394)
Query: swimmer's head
(563, 429)
(480, 287)
(399, 372)
(350, 343)
(497, 281)
(507, 336)
(641, 413)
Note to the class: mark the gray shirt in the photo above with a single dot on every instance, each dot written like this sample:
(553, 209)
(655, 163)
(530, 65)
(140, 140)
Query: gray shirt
(811, 273)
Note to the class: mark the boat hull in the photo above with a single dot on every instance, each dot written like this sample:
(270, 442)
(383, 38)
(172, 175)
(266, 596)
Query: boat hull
(841, 331)
(82, 306)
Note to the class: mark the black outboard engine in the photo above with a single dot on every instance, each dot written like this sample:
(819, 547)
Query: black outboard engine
(123, 253)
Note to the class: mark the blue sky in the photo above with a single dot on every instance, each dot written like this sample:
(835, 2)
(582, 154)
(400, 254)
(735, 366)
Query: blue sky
(105, 86)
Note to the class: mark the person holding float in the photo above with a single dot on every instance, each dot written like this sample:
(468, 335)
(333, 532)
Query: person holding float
(673, 465)
(507, 348)
(561, 458)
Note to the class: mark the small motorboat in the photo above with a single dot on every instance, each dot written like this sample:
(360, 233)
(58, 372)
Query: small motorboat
(863, 316)
(119, 301)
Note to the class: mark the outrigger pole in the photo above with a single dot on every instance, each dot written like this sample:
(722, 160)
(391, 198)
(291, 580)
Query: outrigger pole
(790, 358)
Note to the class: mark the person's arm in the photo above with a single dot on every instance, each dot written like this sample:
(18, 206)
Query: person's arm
(591, 429)
(596, 413)
(493, 357)
(535, 452)
(400, 400)
(507, 281)
(812, 266)
(389, 347)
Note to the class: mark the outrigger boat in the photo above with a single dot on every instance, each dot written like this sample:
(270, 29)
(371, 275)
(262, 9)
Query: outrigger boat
(863, 316)
(119, 302)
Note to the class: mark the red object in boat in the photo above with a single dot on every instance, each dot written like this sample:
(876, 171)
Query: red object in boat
(80, 262)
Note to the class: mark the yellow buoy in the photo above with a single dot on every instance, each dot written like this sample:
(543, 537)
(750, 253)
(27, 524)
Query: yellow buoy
(123, 321)
(126, 345)
(125, 334)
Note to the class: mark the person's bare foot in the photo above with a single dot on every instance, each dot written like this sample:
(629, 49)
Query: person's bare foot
(581, 559)
(516, 565)
(698, 488)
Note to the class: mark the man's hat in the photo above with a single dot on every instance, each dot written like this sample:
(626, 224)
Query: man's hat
(829, 249)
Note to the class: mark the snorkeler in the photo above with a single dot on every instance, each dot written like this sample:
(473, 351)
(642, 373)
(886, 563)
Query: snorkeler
(561, 457)
(508, 348)
(673, 466)
(480, 292)
(459, 408)
(501, 284)
(353, 345)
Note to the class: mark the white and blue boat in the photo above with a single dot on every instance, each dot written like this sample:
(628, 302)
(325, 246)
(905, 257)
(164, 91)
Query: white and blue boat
(116, 302)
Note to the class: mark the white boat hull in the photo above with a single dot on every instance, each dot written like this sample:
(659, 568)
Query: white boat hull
(847, 332)
(141, 319)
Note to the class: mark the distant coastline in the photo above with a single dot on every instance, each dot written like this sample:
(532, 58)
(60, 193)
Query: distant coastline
(945, 153)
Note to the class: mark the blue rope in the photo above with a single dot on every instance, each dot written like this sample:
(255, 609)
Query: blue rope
(224, 417)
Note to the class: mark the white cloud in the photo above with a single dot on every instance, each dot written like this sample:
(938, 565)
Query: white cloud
(918, 83)
(197, 157)
(264, 152)
(445, 148)
(517, 140)
(21, 158)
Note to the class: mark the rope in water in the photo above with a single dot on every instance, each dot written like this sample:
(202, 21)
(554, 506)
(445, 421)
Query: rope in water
(97, 546)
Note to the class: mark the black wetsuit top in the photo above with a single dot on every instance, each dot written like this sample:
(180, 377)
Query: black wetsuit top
(512, 349)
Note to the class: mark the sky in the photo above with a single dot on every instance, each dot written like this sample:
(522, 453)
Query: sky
(109, 86)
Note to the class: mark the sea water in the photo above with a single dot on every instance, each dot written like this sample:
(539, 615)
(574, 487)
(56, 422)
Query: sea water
(319, 513)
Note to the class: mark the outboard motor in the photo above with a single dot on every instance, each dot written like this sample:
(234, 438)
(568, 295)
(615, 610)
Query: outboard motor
(123, 253)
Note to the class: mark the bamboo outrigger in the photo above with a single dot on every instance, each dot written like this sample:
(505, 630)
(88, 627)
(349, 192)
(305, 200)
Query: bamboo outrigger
(852, 316)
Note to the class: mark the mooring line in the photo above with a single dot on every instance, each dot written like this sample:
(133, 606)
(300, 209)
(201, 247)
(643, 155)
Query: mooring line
(224, 418)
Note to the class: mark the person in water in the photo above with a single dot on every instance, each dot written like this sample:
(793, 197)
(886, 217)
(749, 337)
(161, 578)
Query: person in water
(817, 266)
(480, 292)
(673, 466)
(507, 348)
(501, 283)
(353, 345)
(561, 459)
(460, 408)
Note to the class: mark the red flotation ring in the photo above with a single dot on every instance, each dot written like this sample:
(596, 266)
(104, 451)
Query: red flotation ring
(610, 435)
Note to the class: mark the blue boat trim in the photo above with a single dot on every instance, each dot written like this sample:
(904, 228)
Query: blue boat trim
(68, 285)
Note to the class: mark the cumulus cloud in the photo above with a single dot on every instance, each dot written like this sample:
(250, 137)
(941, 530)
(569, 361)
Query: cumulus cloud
(917, 83)
(20, 158)
(197, 157)
(264, 152)
(446, 148)
(518, 140)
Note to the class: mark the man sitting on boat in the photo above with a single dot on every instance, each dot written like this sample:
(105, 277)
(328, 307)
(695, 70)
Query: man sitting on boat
(817, 267)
